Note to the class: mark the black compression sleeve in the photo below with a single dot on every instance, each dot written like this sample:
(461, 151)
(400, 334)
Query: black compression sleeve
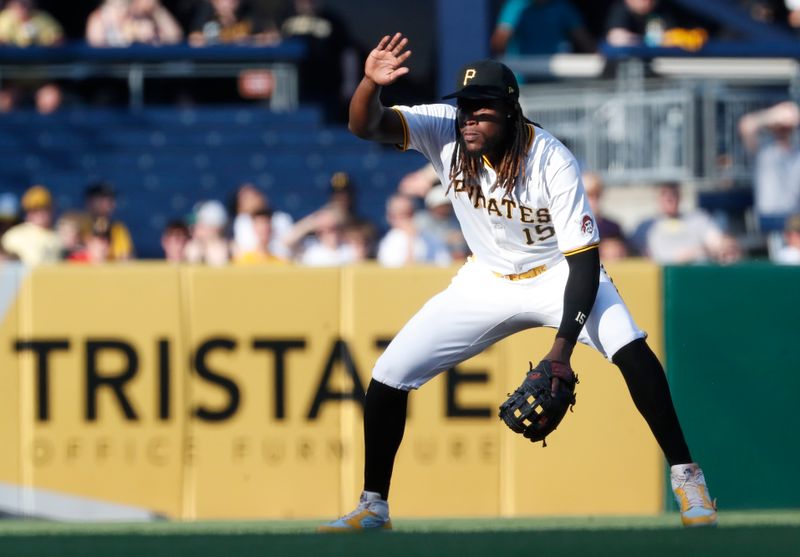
(580, 292)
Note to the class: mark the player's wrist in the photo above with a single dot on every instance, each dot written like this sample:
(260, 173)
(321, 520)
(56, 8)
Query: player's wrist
(370, 82)
(561, 350)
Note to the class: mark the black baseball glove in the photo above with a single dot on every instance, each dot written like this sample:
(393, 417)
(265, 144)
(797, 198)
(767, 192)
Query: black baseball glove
(537, 407)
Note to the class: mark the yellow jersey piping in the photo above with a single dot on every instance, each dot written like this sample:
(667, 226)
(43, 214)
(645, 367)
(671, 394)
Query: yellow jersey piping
(580, 250)
(404, 146)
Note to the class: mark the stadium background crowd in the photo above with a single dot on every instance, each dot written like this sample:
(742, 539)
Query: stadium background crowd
(415, 225)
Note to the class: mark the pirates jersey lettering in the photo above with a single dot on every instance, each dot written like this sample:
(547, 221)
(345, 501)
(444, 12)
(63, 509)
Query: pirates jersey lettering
(546, 216)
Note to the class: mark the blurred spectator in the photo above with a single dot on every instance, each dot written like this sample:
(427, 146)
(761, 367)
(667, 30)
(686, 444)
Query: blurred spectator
(9, 97)
(789, 253)
(418, 182)
(776, 182)
(593, 184)
(21, 24)
(613, 248)
(148, 22)
(208, 244)
(438, 221)
(9, 213)
(342, 198)
(527, 27)
(404, 244)
(174, 239)
(70, 228)
(107, 25)
(793, 14)
(729, 251)
(101, 201)
(361, 238)
(229, 21)
(261, 253)
(637, 241)
(676, 238)
(633, 22)
(33, 241)
(248, 201)
(96, 247)
(331, 68)
(340, 204)
(613, 245)
(651, 23)
(318, 240)
(48, 98)
(121, 23)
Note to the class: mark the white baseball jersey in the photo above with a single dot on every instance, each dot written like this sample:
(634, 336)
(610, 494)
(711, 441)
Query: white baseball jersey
(545, 217)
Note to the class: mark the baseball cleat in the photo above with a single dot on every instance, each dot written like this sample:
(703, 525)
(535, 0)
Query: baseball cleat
(372, 513)
(691, 493)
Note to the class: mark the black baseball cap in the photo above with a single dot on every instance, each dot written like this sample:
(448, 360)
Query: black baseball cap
(486, 79)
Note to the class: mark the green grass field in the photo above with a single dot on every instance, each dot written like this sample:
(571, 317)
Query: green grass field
(751, 534)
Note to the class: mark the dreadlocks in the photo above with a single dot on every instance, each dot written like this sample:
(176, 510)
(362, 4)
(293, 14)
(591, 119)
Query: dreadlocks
(511, 167)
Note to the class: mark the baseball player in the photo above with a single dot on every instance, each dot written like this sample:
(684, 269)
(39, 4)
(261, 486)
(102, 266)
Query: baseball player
(518, 196)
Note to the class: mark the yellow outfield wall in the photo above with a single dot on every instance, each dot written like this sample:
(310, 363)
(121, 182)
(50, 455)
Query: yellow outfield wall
(146, 390)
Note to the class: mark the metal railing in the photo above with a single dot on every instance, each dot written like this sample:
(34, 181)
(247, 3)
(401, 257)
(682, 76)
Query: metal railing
(627, 136)
(660, 131)
(137, 64)
(661, 114)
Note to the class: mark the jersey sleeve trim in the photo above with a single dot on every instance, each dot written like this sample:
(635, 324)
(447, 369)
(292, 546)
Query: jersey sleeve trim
(406, 135)
(581, 249)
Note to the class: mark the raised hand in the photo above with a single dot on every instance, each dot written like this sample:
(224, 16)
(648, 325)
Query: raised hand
(384, 64)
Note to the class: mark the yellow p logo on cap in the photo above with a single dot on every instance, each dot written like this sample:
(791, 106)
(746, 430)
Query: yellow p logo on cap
(469, 74)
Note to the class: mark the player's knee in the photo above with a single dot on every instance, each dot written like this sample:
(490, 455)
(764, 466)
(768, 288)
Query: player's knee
(390, 378)
(377, 386)
(635, 350)
(636, 358)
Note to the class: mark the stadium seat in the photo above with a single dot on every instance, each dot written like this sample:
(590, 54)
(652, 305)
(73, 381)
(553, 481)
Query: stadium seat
(164, 160)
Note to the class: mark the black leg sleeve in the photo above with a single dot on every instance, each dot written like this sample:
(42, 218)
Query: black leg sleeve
(649, 389)
(384, 423)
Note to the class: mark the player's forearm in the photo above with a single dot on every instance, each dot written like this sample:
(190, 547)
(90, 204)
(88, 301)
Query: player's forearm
(579, 294)
(366, 110)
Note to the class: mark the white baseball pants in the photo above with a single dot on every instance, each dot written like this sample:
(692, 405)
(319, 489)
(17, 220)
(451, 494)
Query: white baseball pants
(479, 308)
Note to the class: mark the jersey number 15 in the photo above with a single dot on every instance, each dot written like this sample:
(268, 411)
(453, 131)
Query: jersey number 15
(544, 228)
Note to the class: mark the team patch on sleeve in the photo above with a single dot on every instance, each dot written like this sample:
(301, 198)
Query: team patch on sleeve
(587, 225)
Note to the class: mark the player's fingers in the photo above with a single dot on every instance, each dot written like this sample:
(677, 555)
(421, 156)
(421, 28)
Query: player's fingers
(400, 46)
(403, 57)
(399, 72)
(383, 43)
(395, 39)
